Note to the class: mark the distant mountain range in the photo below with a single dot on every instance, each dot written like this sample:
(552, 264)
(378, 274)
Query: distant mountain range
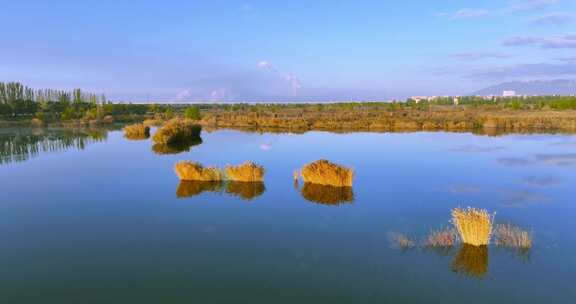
(537, 87)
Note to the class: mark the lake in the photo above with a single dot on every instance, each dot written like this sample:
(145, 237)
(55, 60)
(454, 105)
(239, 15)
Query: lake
(87, 216)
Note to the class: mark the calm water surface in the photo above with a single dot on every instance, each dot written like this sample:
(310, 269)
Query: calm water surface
(90, 217)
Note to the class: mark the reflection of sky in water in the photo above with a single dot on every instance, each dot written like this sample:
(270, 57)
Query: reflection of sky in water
(74, 217)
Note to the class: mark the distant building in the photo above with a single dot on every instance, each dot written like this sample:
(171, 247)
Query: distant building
(509, 93)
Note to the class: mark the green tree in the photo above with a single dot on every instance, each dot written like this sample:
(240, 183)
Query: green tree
(192, 113)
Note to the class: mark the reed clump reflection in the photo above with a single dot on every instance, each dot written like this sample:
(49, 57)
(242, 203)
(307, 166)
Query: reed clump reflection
(327, 195)
(176, 148)
(193, 188)
(177, 131)
(245, 190)
(471, 261)
(191, 171)
(473, 225)
(323, 172)
(137, 132)
(246, 172)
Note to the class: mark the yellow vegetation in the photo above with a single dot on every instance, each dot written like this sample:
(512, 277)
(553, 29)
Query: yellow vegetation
(192, 188)
(473, 225)
(176, 131)
(245, 190)
(446, 237)
(323, 172)
(327, 195)
(137, 131)
(401, 240)
(471, 261)
(246, 172)
(509, 236)
(191, 171)
(155, 122)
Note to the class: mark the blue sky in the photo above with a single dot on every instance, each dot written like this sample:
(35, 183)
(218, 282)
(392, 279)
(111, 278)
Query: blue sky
(285, 50)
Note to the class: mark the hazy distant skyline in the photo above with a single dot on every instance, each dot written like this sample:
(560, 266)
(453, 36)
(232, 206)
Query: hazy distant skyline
(285, 50)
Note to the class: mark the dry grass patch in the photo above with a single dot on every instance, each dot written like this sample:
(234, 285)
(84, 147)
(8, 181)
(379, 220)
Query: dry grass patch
(177, 130)
(443, 238)
(401, 241)
(510, 236)
(190, 171)
(137, 131)
(473, 225)
(155, 122)
(323, 172)
(246, 172)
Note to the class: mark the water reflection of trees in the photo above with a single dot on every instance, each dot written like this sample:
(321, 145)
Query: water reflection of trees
(184, 146)
(244, 190)
(18, 145)
(327, 195)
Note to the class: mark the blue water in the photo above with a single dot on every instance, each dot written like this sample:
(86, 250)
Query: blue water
(102, 223)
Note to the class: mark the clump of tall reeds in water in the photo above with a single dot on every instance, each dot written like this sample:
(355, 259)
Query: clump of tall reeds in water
(137, 131)
(176, 131)
(190, 171)
(510, 236)
(473, 225)
(246, 172)
(323, 172)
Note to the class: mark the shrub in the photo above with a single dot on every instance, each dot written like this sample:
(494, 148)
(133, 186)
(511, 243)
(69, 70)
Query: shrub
(108, 119)
(323, 172)
(156, 122)
(190, 171)
(36, 122)
(245, 190)
(327, 195)
(473, 225)
(246, 172)
(509, 236)
(137, 131)
(177, 130)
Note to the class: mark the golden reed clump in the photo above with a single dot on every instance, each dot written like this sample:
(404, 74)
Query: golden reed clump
(190, 171)
(323, 172)
(473, 225)
(137, 131)
(510, 236)
(177, 130)
(246, 172)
